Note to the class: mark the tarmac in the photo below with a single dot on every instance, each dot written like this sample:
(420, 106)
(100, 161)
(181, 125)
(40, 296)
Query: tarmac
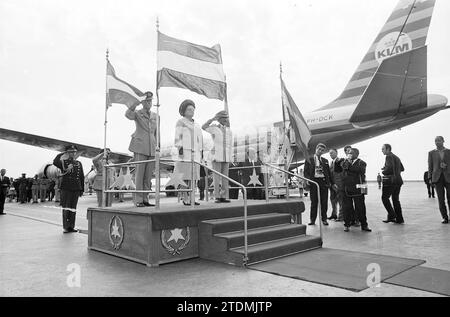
(37, 259)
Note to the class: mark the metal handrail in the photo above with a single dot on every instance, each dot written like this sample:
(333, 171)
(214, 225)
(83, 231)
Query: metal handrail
(243, 188)
(319, 211)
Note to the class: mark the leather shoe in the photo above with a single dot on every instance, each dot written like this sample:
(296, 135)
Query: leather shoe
(325, 223)
(147, 204)
(389, 220)
(399, 222)
(332, 217)
(2, 213)
(366, 229)
(346, 229)
(72, 230)
(223, 200)
(445, 221)
(311, 224)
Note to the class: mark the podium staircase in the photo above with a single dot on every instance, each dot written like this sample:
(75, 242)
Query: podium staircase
(270, 235)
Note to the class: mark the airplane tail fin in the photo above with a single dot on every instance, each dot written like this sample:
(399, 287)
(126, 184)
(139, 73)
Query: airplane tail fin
(406, 29)
(399, 85)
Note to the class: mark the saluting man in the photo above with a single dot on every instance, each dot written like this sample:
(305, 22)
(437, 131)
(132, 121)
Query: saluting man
(72, 185)
(221, 153)
(143, 145)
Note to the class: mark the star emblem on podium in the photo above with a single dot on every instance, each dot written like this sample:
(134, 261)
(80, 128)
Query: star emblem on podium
(254, 179)
(176, 179)
(175, 240)
(116, 232)
(124, 181)
(175, 235)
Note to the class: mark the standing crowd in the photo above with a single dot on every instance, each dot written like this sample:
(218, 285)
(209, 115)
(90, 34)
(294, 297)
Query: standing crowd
(344, 181)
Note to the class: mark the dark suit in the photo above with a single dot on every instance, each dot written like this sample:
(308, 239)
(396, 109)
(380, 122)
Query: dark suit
(234, 174)
(255, 191)
(440, 177)
(430, 186)
(354, 200)
(392, 169)
(324, 182)
(4, 184)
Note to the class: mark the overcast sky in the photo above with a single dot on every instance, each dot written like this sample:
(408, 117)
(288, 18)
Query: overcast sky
(52, 67)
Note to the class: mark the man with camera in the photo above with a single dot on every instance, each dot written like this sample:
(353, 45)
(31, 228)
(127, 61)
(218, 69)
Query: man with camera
(355, 187)
(318, 170)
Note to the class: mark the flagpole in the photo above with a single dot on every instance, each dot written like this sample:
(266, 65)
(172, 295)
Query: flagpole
(104, 138)
(225, 100)
(157, 149)
(282, 105)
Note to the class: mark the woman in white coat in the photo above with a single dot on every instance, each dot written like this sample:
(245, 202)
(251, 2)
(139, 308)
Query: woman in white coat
(188, 137)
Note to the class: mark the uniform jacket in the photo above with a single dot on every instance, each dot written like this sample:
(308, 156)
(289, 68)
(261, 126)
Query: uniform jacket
(98, 179)
(70, 180)
(434, 165)
(35, 183)
(354, 174)
(143, 140)
(310, 170)
(23, 183)
(5, 183)
(222, 137)
(393, 167)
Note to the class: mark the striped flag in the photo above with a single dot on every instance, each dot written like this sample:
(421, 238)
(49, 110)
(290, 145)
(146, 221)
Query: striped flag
(302, 132)
(119, 91)
(190, 66)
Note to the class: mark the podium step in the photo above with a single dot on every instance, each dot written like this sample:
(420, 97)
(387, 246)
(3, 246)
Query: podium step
(256, 221)
(259, 235)
(270, 236)
(278, 248)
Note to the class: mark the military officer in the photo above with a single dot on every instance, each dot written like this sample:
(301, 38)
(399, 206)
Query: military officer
(72, 184)
(143, 145)
(221, 152)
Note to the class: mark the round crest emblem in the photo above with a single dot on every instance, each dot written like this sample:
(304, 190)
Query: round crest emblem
(116, 232)
(175, 240)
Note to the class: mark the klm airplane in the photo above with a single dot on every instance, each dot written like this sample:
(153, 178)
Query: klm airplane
(388, 91)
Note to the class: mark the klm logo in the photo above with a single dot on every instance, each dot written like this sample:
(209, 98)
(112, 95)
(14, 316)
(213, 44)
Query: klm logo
(392, 44)
(393, 51)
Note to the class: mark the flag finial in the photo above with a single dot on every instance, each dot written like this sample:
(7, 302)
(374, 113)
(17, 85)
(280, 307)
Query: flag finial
(107, 53)
(157, 23)
(281, 68)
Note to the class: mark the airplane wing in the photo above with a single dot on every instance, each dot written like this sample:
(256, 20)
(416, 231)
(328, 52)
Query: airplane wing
(58, 145)
(399, 85)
